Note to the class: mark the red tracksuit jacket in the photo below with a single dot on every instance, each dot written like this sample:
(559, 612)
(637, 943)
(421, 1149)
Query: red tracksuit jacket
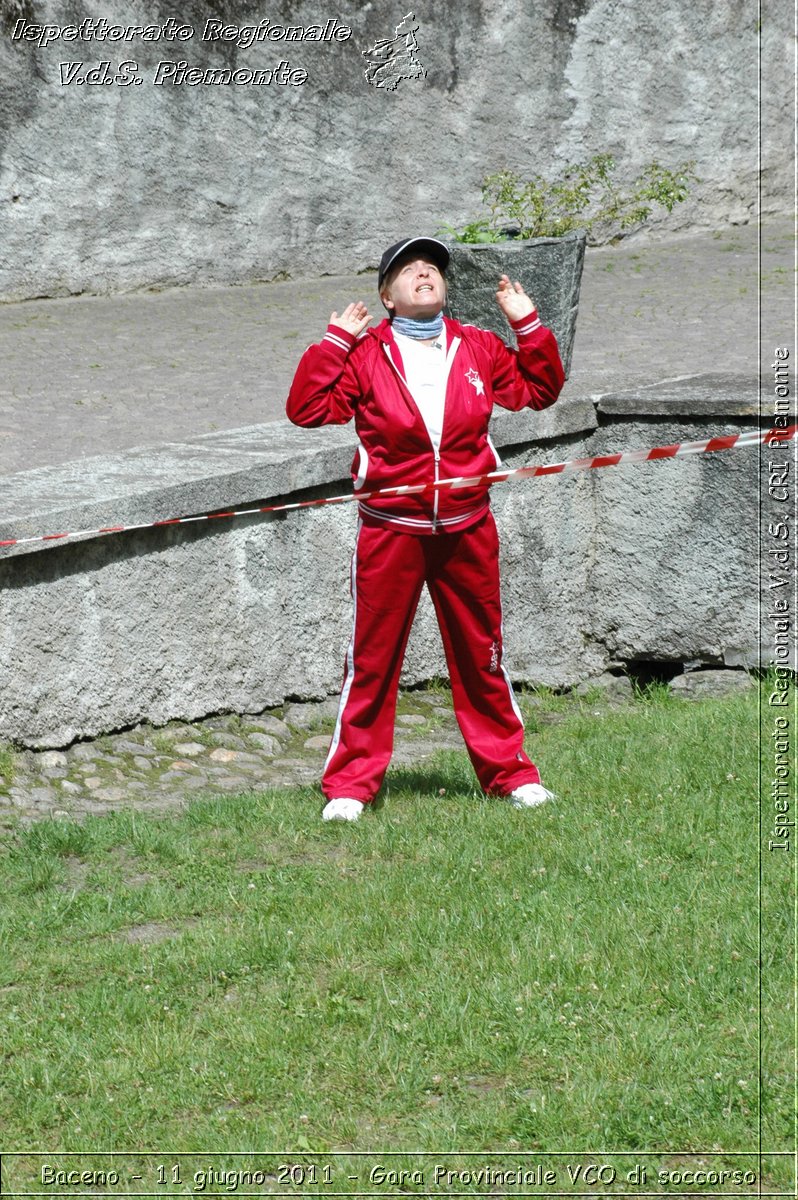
(344, 377)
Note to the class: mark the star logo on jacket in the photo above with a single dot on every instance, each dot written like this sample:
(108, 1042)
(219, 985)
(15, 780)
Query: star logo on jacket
(473, 378)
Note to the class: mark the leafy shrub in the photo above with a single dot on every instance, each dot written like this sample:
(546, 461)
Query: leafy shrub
(586, 196)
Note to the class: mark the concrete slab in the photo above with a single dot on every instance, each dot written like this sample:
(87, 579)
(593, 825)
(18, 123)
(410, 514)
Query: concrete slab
(215, 471)
(719, 395)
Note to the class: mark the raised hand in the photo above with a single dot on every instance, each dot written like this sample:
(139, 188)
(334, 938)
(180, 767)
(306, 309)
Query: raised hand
(513, 300)
(353, 319)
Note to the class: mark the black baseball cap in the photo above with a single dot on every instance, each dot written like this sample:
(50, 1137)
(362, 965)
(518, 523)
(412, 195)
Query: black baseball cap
(429, 248)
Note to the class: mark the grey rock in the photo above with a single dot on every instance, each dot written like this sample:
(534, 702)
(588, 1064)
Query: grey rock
(177, 730)
(192, 783)
(255, 767)
(189, 749)
(224, 755)
(266, 743)
(126, 746)
(704, 685)
(321, 742)
(614, 687)
(141, 763)
(219, 722)
(411, 719)
(52, 762)
(22, 781)
(305, 716)
(271, 725)
(230, 740)
(39, 797)
(73, 789)
(83, 752)
(227, 783)
(734, 656)
(550, 269)
(110, 795)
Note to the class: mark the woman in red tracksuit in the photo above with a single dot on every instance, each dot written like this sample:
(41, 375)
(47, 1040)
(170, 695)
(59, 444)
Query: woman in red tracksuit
(421, 389)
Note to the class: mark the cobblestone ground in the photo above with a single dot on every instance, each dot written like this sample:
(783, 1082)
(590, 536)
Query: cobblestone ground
(159, 770)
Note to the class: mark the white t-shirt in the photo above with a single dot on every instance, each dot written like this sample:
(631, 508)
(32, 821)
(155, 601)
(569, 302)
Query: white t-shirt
(426, 373)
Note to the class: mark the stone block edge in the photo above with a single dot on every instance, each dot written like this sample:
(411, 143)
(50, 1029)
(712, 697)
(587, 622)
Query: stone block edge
(240, 466)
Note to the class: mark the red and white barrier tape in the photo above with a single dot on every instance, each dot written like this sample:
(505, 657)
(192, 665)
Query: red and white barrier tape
(751, 437)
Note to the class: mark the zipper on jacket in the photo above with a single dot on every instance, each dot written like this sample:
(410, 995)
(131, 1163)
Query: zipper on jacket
(451, 351)
(436, 493)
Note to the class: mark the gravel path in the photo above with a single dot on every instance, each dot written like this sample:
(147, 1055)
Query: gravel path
(98, 374)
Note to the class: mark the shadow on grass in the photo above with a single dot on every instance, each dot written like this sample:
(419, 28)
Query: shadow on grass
(433, 780)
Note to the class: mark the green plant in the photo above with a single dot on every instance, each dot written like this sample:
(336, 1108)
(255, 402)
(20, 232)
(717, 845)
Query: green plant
(585, 196)
(6, 767)
(475, 232)
(163, 743)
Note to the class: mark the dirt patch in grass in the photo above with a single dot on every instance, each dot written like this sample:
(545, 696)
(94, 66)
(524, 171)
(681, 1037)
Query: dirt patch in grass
(126, 868)
(481, 1084)
(76, 870)
(129, 869)
(151, 932)
(313, 856)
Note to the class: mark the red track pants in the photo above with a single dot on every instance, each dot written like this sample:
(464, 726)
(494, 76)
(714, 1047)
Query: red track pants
(461, 570)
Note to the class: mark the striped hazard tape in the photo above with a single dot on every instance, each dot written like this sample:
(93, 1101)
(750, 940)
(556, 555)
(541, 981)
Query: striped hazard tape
(752, 437)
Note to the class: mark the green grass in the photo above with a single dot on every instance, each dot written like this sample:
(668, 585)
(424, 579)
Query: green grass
(447, 973)
(6, 768)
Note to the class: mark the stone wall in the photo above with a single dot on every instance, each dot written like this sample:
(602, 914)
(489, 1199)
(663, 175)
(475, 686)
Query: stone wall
(134, 184)
(601, 569)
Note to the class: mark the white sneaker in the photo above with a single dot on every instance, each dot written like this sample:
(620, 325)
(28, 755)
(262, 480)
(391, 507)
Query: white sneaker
(530, 795)
(342, 808)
